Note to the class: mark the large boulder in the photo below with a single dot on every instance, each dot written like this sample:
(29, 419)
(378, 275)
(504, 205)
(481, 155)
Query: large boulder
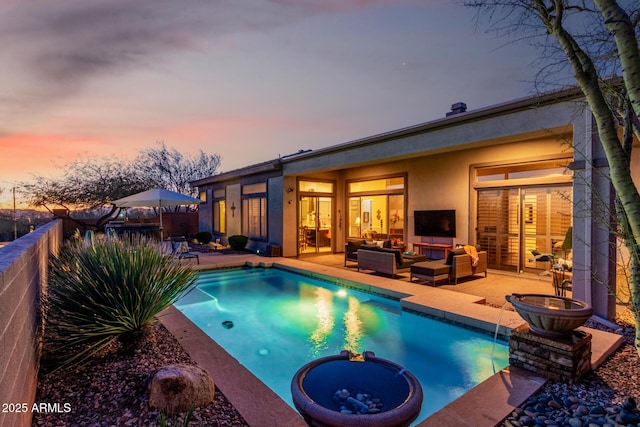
(180, 388)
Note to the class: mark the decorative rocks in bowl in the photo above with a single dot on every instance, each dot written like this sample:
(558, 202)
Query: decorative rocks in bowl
(549, 315)
(345, 391)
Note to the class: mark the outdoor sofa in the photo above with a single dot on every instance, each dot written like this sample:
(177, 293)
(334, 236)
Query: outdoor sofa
(385, 260)
(352, 246)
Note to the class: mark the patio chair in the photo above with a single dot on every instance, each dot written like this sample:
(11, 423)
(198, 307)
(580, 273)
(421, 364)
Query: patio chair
(540, 257)
(180, 249)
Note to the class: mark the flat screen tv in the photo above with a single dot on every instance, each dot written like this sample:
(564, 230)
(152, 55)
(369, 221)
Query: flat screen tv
(437, 223)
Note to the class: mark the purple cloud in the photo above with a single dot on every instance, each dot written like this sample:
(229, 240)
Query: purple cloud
(55, 48)
(68, 41)
(333, 6)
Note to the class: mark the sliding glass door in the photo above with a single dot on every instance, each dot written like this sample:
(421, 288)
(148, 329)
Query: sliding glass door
(513, 222)
(315, 227)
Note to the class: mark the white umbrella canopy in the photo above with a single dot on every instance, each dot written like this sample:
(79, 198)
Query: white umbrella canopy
(157, 198)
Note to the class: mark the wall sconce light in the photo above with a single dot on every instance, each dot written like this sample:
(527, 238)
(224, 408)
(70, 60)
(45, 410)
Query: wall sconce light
(290, 190)
(233, 209)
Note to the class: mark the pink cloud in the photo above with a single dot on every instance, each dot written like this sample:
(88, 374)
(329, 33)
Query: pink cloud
(25, 155)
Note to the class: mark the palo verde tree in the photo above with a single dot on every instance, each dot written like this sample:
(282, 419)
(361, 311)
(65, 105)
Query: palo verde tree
(170, 169)
(598, 41)
(92, 184)
(86, 184)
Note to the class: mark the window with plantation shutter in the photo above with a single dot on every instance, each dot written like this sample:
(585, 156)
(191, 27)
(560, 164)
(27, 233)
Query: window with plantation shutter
(498, 227)
(523, 207)
(254, 217)
(560, 210)
(547, 217)
(513, 222)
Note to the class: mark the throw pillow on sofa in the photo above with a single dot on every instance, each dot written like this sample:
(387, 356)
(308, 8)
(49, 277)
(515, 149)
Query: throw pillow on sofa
(383, 243)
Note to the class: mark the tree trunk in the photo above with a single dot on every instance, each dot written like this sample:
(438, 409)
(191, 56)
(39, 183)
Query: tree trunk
(588, 80)
(619, 24)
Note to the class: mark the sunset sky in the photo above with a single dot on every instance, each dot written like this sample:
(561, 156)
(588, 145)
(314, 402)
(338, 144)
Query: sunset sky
(248, 79)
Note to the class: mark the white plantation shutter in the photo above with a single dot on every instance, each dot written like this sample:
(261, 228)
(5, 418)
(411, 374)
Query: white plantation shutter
(514, 221)
(254, 217)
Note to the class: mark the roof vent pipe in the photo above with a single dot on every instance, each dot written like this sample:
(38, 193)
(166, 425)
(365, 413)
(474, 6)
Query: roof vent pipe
(457, 108)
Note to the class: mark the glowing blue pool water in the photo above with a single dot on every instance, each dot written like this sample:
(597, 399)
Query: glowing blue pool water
(274, 321)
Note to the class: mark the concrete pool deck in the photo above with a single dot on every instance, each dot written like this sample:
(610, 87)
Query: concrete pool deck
(260, 406)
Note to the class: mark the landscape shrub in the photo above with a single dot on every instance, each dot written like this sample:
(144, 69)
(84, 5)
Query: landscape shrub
(204, 237)
(238, 242)
(103, 291)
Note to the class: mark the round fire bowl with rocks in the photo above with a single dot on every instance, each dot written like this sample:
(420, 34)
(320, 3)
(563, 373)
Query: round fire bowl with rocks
(348, 391)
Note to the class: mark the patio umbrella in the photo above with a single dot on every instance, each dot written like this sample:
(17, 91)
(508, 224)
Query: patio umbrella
(157, 198)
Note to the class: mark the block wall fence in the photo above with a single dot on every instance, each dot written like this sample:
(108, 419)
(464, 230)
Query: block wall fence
(23, 277)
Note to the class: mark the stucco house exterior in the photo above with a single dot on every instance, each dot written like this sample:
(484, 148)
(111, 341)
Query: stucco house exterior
(517, 177)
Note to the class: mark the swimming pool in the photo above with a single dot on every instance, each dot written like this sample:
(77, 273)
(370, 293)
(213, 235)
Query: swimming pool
(274, 321)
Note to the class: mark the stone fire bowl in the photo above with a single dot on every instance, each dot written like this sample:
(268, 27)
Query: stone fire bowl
(549, 315)
(314, 385)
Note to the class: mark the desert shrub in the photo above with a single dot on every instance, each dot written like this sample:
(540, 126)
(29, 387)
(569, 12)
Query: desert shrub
(238, 242)
(204, 237)
(105, 291)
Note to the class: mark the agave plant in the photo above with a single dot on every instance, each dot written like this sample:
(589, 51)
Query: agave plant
(106, 290)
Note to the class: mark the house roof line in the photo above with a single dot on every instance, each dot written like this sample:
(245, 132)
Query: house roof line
(258, 168)
(538, 100)
(532, 101)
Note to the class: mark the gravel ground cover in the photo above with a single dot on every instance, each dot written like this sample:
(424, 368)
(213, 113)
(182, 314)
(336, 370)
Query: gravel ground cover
(111, 390)
(604, 397)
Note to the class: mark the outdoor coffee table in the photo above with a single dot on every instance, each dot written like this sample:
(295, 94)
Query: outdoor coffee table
(431, 271)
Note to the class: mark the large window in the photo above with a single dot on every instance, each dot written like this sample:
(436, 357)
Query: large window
(376, 209)
(315, 187)
(219, 211)
(526, 173)
(377, 185)
(254, 217)
(219, 216)
(254, 210)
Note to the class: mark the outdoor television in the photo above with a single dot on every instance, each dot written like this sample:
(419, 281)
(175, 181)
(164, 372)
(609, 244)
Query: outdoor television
(440, 223)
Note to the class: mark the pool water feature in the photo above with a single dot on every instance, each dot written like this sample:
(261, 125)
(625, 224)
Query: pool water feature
(275, 321)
